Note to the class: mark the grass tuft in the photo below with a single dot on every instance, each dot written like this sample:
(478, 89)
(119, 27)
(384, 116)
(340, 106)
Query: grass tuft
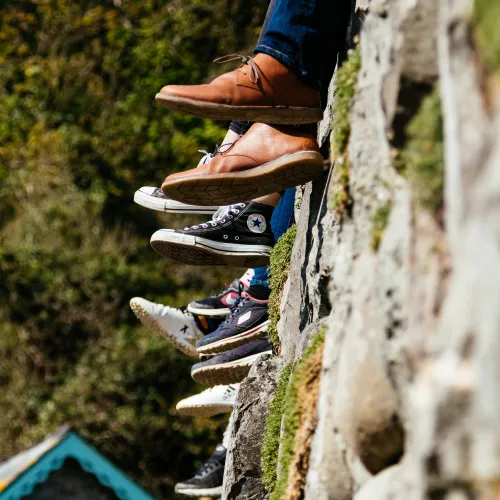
(346, 86)
(271, 441)
(422, 158)
(379, 223)
(341, 130)
(278, 273)
(287, 405)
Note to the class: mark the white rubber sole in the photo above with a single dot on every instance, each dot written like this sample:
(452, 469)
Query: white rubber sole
(208, 410)
(226, 373)
(232, 342)
(171, 206)
(197, 251)
(209, 312)
(208, 492)
(149, 322)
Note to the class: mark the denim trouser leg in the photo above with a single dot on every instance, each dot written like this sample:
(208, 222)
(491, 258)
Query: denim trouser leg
(281, 220)
(302, 33)
(240, 127)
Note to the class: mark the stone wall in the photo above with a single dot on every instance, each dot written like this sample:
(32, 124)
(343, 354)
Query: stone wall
(409, 399)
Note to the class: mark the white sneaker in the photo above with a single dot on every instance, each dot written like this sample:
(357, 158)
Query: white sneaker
(154, 199)
(177, 325)
(218, 399)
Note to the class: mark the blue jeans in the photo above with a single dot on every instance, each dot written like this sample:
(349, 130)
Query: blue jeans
(281, 220)
(294, 33)
(306, 35)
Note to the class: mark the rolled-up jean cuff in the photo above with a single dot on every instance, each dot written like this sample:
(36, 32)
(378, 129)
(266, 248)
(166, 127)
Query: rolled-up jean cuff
(259, 283)
(288, 61)
(240, 128)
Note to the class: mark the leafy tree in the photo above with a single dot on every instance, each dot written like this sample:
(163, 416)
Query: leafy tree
(79, 133)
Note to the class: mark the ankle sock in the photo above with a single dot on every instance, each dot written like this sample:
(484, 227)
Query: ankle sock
(259, 292)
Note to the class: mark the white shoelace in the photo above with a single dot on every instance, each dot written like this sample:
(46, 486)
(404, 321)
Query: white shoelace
(205, 159)
(220, 216)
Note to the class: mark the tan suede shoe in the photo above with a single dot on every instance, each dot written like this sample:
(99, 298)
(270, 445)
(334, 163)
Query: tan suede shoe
(265, 160)
(260, 90)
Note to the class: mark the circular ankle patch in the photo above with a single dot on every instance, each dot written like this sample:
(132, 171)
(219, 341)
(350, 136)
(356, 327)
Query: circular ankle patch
(256, 223)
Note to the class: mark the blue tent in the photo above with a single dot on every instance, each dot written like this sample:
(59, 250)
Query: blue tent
(20, 474)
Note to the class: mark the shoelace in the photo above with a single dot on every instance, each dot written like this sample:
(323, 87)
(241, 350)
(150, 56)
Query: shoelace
(210, 465)
(206, 158)
(224, 148)
(220, 216)
(239, 302)
(254, 69)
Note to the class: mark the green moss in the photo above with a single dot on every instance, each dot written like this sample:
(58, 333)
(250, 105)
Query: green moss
(379, 223)
(291, 418)
(345, 85)
(271, 442)
(422, 158)
(341, 198)
(487, 34)
(278, 273)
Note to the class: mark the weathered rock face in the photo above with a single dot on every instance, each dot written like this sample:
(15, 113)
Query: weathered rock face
(409, 398)
(242, 475)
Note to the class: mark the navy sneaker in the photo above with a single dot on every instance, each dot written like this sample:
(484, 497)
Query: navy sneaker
(248, 321)
(230, 367)
(219, 304)
(207, 481)
(239, 235)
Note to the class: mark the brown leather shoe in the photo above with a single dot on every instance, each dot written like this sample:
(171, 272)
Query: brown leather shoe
(265, 160)
(260, 90)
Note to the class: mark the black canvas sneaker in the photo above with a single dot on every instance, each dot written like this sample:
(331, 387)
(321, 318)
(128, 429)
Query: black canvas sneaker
(219, 304)
(230, 367)
(248, 321)
(239, 235)
(207, 481)
(154, 199)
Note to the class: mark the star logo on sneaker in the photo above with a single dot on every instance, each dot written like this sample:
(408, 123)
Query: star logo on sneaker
(245, 317)
(256, 223)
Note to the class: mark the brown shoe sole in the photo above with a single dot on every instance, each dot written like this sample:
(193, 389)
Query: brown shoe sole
(280, 115)
(287, 171)
(201, 256)
(204, 411)
(233, 342)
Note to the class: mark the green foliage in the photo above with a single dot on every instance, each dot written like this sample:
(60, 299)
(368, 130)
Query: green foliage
(345, 84)
(291, 415)
(422, 158)
(272, 433)
(379, 223)
(486, 22)
(278, 273)
(79, 133)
